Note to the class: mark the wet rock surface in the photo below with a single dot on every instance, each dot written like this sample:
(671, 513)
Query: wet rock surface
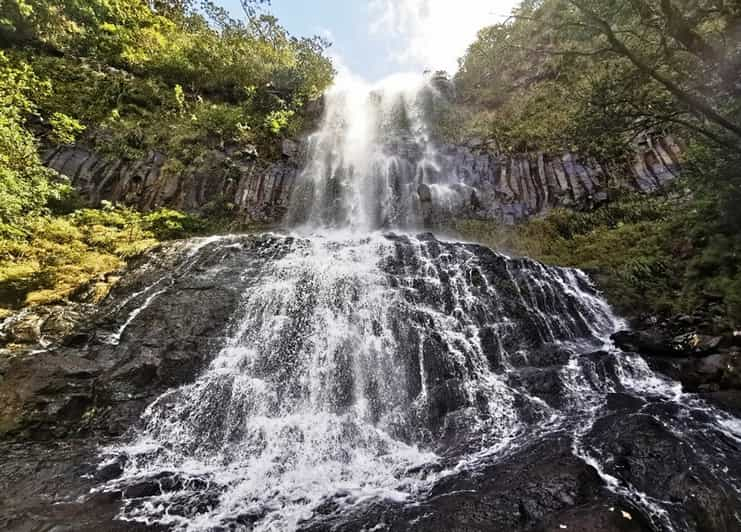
(693, 350)
(541, 487)
(43, 486)
(462, 180)
(630, 456)
(99, 376)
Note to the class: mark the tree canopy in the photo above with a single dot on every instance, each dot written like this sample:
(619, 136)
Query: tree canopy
(607, 71)
(137, 62)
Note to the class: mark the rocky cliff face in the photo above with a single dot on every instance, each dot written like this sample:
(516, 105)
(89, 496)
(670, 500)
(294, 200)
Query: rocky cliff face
(513, 188)
(464, 180)
(259, 190)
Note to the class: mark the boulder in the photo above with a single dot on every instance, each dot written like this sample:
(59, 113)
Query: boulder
(424, 192)
(717, 372)
(24, 328)
(651, 342)
(696, 344)
(655, 342)
(712, 365)
(61, 321)
(290, 148)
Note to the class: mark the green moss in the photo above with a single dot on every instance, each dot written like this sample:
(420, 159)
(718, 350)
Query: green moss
(60, 254)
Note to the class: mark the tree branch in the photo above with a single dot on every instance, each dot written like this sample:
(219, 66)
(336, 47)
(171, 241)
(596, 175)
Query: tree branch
(692, 101)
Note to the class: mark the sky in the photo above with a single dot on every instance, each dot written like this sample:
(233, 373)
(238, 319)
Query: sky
(373, 39)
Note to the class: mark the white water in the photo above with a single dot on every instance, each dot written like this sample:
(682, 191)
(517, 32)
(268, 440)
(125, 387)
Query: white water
(310, 399)
(354, 356)
(274, 440)
(369, 158)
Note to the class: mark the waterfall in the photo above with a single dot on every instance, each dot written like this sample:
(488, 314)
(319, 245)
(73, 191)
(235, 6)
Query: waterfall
(372, 163)
(368, 363)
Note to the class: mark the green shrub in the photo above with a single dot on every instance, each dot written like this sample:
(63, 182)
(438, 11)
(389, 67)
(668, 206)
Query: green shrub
(25, 184)
(166, 224)
(655, 254)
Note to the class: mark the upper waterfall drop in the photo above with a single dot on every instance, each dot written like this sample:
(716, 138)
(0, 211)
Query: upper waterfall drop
(369, 157)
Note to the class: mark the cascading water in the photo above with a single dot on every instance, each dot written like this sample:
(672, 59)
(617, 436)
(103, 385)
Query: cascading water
(352, 179)
(365, 366)
(372, 164)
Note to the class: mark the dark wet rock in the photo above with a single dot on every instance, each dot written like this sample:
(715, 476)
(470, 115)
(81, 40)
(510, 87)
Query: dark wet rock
(424, 192)
(642, 451)
(44, 395)
(171, 313)
(721, 371)
(651, 342)
(164, 482)
(445, 398)
(656, 341)
(108, 471)
(539, 487)
(544, 383)
(694, 349)
(729, 400)
(624, 402)
(62, 321)
(96, 381)
(712, 365)
(46, 486)
(599, 517)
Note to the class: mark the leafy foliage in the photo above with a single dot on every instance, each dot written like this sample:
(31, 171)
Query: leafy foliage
(25, 184)
(132, 76)
(591, 75)
(59, 254)
(166, 74)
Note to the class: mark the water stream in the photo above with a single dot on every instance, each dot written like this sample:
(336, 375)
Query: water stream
(370, 361)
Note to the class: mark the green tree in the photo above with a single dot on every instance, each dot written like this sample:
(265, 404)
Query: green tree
(628, 67)
(25, 184)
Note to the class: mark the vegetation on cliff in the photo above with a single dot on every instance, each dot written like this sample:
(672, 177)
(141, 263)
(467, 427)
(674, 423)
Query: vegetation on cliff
(590, 76)
(128, 77)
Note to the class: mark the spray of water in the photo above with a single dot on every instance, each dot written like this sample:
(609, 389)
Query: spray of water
(372, 163)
